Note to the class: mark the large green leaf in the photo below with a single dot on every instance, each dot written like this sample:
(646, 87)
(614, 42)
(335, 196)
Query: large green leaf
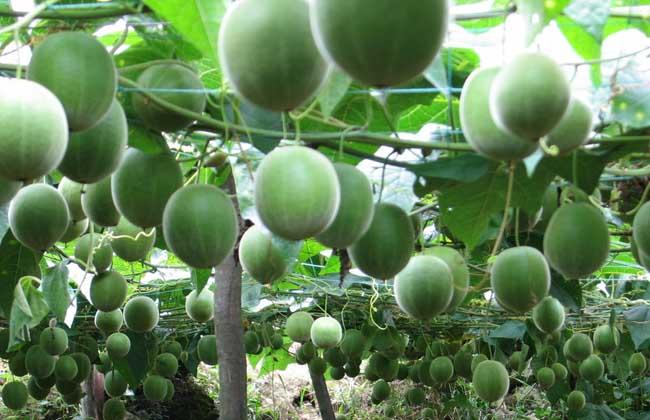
(637, 321)
(55, 290)
(197, 20)
(16, 261)
(136, 364)
(28, 310)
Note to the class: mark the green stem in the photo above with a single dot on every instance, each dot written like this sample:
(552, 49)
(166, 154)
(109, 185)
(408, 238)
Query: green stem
(100, 12)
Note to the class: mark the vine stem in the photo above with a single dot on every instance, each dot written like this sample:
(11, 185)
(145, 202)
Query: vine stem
(28, 18)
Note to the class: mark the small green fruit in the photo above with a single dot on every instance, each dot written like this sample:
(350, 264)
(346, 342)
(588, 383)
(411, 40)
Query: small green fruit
(108, 291)
(66, 368)
(166, 364)
(38, 362)
(606, 339)
(576, 401)
(207, 350)
(326, 333)
(424, 288)
(54, 340)
(114, 409)
(548, 315)
(109, 322)
(132, 243)
(141, 314)
(298, 326)
(114, 383)
(491, 380)
(118, 345)
(102, 253)
(545, 377)
(97, 203)
(260, 256)
(14, 395)
(579, 347)
(155, 388)
(638, 364)
(200, 308)
(592, 368)
(573, 129)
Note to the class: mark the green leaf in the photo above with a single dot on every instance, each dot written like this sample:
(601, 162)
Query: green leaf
(637, 321)
(16, 261)
(465, 168)
(513, 330)
(334, 90)
(200, 278)
(28, 310)
(4, 220)
(55, 290)
(197, 20)
(136, 364)
(568, 292)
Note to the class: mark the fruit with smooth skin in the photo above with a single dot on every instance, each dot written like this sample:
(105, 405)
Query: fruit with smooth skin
(298, 326)
(637, 363)
(178, 85)
(102, 252)
(355, 209)
(520, 278)
(251, 342)
(34, 131)
(95, 153)
(114, 409)
(386, 247)
(424, 288)
(38, 216)
(353, 343)
(576, 400)
(14, 395)
(382, 45)
(545, 377)
(571, 228)
(548, 315)
(459, 272)
(441, 369)
(141, 314)
(573, 129)
(108, 291)
(54, 340)
(529, 96)
(80, 72)
(207, 350)
(114, 383)
(491, 380)
(560, 371)
(200, 308)
(641, 229)
(592, 368)
(579, 347)
(38, 362)
(516, 361)
(260, 256)
(155, 388)
(142, 185)
(326, 332)
(606, 338)
(118, 345)
(297, 192)
(65, 368)
(166, 364)
(97, 203)
(268, 53)
(479, 128)
(132, 243)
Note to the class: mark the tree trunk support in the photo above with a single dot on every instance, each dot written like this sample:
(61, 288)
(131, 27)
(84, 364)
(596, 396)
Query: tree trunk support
(322, 396)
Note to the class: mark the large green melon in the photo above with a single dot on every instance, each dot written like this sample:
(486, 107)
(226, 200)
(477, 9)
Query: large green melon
(38, 362)
(260, 257)
(95, 153)
(200, 308)
(520, 278)
(53, 340)
(200, 225)
(479, 128)
(80, 72)
(169, 78)
(297, 192)
(548, 315)
(8, 189)
(130, 242)
(383, 45)
(71, 192)
(33, 130)
(97, 203)
(109, 322)
(326, 332)
(268, 53)
(491, 381)
(142, 185)
(108, 291)
(459, 272)
(606, 338)
(641, 229)
(576, 242)
(355, 209)
(141, 314)
(386, 247)
(529, 96)
(100, 247)
(573, 129)
(207, 350)
(14, 395)
(424, 288)
(38, 216)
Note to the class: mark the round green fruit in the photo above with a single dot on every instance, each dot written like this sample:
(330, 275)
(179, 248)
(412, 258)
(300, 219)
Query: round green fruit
(65, 387)
(516, 361)
(8, 189)
(545, 377)
(142, 185)
(481, 132)
(520, 278)
(14, 395)
(179, 86)
(141, 314)
(353, 343)
(105, 363)
(200, 225)
(166, 364)
(491, 380)
(477, 360)
(386, 247)
(459, 272)
(355, 209)
(207, 350)
(155, 388)
(75, 230)
(573, 129)
(95, 153)
(592, 368)
(335, 357)
(71, 192)
(317, 366)
(548, 355)
(463, 364)
(88, 346)
(571, 228)
(382, 45)
(114, 410)
(424, 288)
(97, 203)
(606, 339)
(268, 53)
(326, 332)
(383, 367)
(54, 340)
(560, 371)
(35, 391)
(114, 383)
(17, 364)
(170, 390)
(380, 390)
(428, 413)
(640, 257)
(132, 243)
(38, 216)
(102, 252)
(173, 347)
(337, 373)
(415, 396)
(441, 369)
(80, 72)
(290, 172)
(74, 397)
(34, 131)
(579, 347)
(576, 401)
(529, 96)
(260, 257)
(641, 229)
(118, 345)
(108, 291)
(548, 315)
(4, 343)
(298, 326)
(65, 368)
(251, 342)
(200, 308)
(637, 364)
(38, 362)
